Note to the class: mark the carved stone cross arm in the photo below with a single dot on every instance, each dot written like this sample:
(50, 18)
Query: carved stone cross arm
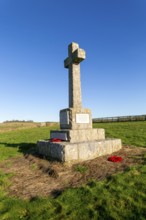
(76, 57)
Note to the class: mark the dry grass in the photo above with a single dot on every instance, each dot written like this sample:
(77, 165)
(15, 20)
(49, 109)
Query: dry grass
(4, 127)
(34, 176)
(13, 126)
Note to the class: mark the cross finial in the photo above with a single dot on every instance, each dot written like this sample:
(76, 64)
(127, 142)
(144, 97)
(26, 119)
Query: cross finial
(72, 62)
(75, 55)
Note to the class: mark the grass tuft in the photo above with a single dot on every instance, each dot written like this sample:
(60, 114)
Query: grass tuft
(80, 168)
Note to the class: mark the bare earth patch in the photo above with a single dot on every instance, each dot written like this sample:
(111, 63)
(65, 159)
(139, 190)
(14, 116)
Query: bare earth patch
(34, 177)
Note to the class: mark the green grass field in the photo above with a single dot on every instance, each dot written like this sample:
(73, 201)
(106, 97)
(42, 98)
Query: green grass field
(121, 196)
(131, 133)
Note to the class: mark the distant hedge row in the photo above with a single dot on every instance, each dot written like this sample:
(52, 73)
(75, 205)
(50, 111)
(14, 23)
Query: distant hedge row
(12, 121)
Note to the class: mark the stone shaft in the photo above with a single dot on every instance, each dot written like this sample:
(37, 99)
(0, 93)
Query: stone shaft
(75, 96)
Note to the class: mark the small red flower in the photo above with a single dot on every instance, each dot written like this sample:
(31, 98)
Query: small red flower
(55, 140)
(115, 159)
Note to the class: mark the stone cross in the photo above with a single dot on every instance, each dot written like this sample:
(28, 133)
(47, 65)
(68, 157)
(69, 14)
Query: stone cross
(72, 62)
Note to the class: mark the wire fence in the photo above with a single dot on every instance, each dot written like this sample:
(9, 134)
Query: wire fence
(120, 119)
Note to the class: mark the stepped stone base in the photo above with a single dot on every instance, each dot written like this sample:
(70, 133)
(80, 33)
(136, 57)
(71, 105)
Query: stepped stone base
(74, 152)
(79, 135)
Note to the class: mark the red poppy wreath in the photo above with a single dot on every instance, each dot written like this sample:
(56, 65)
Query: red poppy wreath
(115, 159)
(55, 140)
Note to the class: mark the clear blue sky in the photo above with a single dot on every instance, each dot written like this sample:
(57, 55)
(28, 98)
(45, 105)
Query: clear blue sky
(34, 36)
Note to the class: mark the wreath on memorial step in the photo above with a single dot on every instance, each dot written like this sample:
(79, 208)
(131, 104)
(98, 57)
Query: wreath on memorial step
(55, 140)
(115, 159)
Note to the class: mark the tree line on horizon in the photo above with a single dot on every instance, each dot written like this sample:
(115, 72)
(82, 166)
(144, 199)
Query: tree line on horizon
(12, 121)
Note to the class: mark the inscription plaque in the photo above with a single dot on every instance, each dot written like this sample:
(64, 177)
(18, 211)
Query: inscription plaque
(82, 118)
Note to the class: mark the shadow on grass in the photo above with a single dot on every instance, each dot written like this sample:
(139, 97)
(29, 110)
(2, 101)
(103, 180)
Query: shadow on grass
(56, 193)
(25, 148)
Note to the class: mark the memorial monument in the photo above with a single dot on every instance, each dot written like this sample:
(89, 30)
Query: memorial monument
(79, 141)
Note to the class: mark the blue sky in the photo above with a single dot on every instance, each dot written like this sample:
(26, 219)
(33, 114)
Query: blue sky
(34, 36)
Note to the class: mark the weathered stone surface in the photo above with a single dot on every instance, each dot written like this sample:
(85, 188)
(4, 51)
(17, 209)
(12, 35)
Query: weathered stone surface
(86, 135)
(79, 135)
(51, 150)
(73, 152)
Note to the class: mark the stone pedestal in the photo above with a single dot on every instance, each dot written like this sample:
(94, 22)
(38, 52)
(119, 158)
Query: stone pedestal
(75, 118)
(76, 126)
(75, 152)
(75, 136)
